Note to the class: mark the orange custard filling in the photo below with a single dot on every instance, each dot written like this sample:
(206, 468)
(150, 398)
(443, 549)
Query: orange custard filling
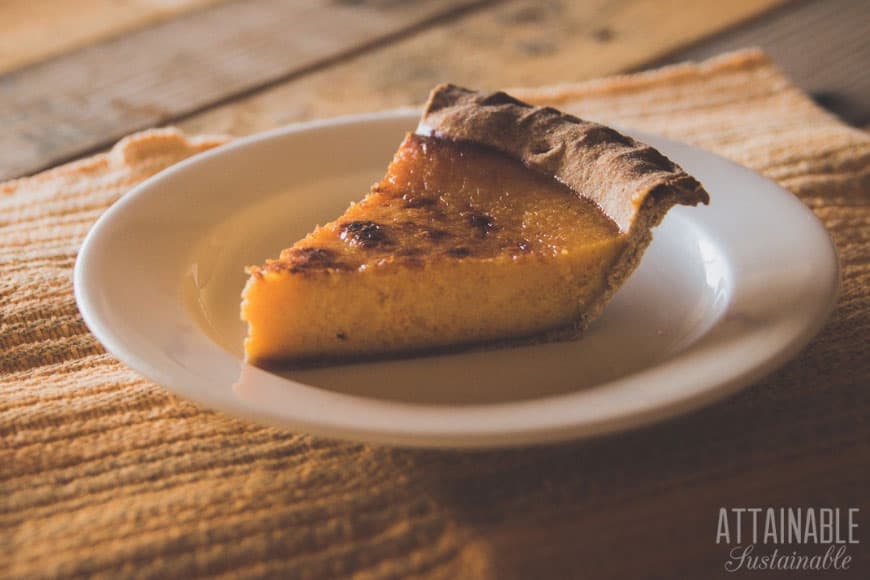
(458, 244)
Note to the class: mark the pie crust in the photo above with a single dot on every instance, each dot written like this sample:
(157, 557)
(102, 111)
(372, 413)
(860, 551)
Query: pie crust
(632, 183)
(357, 272)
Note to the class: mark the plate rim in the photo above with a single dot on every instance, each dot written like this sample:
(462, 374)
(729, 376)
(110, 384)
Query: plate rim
(111, 339)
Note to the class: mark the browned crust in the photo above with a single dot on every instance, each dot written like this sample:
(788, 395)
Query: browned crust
(613, 170)
(569, 332)
(634, 184)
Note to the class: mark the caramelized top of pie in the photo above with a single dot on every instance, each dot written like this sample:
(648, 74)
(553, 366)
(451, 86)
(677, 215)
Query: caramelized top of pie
(449, 200)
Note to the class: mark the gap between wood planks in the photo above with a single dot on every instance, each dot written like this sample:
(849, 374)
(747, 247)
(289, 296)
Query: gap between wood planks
(177, 76)
(81, 103)
(521, 43)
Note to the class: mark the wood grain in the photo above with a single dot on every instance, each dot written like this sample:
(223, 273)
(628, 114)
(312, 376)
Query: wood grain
(519, 43)
(823, 44)
(36, 30)
(65, 107)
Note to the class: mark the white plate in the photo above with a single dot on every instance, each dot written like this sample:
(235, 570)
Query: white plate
(725, 294)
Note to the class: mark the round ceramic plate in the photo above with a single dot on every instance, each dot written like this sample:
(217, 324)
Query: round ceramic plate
(724, 294)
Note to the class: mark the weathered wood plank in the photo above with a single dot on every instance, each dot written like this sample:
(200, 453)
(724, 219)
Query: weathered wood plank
(823, 44)
(515, 44)
(39, 29)
(70, 105)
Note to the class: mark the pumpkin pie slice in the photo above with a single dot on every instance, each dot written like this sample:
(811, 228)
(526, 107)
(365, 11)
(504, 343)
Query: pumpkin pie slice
(497, 222)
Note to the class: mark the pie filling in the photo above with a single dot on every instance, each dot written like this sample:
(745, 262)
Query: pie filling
(458, 244)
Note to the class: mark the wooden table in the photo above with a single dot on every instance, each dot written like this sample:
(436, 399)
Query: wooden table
(75, 77)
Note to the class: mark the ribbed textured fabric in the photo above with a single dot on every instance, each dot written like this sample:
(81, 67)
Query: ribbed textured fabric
(105, 474)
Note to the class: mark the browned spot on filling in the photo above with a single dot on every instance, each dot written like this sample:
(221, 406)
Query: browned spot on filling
(459, 252)
(305, 255)
(306, 258)
(482, 222)
(365, 234)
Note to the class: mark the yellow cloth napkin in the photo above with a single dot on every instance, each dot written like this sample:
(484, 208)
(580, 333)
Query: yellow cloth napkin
(104, 473)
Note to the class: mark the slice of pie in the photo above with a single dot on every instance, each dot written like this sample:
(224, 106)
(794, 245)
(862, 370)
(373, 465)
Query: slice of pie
(496, 222)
